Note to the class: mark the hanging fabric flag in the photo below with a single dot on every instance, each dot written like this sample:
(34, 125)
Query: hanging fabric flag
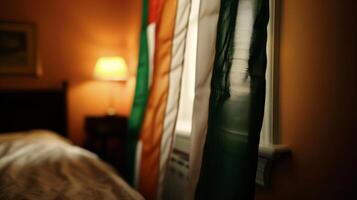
(236, 102)
(157, 129)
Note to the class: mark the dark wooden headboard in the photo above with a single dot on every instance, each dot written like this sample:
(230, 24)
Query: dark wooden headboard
(22, 110)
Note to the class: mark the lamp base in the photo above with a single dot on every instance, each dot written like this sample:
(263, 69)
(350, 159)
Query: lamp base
(111, 111)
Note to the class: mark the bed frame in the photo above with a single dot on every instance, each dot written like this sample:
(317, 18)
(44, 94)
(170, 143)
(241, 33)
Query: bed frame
(22, 110)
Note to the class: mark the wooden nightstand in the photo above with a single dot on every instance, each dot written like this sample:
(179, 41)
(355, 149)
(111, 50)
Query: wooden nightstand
(106, 137)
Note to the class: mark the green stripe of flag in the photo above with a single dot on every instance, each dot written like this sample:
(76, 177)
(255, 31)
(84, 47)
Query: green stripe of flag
(140, 98)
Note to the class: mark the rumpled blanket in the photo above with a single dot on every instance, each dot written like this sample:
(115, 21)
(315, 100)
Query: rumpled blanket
(40, 165)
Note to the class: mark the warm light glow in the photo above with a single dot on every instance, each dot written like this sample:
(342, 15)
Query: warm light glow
(111, 68)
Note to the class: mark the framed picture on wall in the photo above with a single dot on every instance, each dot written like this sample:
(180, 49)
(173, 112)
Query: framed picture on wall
(17, 49)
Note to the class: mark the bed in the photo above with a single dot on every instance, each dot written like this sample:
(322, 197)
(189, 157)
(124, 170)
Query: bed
(37, 161)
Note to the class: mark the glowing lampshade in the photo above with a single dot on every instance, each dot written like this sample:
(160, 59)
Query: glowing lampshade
(111, 69)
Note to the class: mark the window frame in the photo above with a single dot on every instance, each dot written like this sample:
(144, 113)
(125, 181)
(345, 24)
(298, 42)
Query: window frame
(270, 147)
(270, 127)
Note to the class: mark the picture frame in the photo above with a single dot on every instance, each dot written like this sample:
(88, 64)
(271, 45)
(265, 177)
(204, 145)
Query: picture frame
(18, 49)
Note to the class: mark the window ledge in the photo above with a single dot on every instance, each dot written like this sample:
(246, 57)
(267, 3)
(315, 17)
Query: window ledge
(268, 155)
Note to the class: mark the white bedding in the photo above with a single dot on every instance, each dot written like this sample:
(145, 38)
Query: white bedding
(41, 165)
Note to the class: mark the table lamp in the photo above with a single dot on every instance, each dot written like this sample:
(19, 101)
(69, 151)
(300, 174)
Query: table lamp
(112, 69)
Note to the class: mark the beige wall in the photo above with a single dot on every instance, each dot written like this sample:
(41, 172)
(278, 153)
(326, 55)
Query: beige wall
(316, 102)
(72, 34)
